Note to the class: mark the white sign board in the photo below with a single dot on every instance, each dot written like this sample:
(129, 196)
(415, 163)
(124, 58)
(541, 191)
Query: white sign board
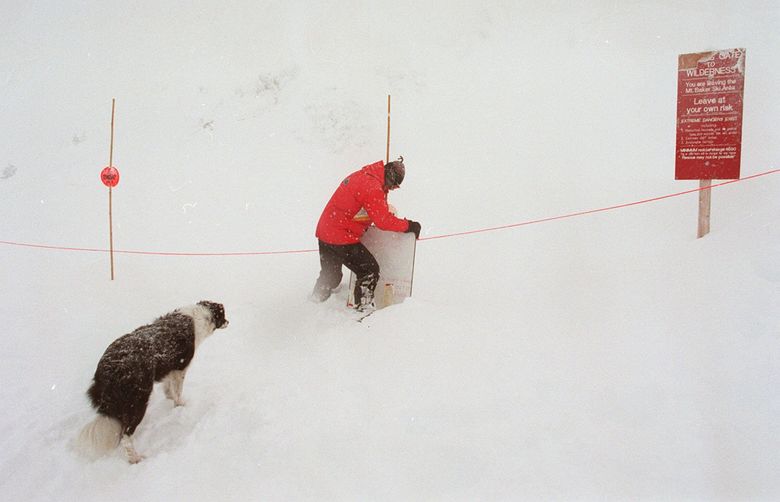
(395, 253)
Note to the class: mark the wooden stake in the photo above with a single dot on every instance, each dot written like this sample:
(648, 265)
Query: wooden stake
(387, 153)
(111, 150)
(705, 198)
(110, 198)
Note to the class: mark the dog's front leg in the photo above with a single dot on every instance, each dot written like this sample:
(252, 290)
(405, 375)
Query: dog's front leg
(174, 383)
(132, 455)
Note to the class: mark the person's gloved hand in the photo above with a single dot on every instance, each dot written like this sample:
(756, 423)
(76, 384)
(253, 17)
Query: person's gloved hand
(415, 228)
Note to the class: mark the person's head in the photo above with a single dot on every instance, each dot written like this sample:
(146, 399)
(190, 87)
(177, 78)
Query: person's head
(394, 173)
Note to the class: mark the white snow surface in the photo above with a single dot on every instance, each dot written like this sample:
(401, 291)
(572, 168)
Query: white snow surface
(610, 356)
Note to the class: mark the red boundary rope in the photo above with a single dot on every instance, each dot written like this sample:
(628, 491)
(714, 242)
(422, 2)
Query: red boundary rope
(600, 210)
(444, 236)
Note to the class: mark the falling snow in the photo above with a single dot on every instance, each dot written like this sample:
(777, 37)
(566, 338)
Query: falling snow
(612, 356)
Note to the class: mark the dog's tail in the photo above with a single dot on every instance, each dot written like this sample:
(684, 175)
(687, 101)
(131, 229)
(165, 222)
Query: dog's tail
(100, 436)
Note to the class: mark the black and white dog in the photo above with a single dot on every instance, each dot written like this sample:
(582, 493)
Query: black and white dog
(125, 375)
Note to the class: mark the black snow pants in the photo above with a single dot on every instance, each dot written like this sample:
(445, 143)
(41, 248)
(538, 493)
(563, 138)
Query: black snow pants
(356, 258)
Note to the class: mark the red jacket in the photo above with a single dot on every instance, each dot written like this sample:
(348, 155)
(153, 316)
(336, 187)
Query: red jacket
(363, 188)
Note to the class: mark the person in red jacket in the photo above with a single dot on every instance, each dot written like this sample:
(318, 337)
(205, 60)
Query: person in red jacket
(339, 232)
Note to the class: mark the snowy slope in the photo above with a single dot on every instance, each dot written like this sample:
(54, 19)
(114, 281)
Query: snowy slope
(604, 356)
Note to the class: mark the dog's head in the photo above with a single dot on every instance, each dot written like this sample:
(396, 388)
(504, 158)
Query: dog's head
(217, 313)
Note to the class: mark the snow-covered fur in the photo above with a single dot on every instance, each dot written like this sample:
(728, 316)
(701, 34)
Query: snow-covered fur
(128, 369)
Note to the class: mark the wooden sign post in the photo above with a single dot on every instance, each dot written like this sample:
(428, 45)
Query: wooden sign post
(110, 177)
(387, 152)
(710, 87)
(705, 205)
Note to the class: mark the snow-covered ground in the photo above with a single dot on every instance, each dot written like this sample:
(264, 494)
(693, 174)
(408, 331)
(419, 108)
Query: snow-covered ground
(607, 356)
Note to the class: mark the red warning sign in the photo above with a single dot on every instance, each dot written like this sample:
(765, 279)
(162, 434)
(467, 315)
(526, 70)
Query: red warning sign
(110, 176)
(710, 86)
